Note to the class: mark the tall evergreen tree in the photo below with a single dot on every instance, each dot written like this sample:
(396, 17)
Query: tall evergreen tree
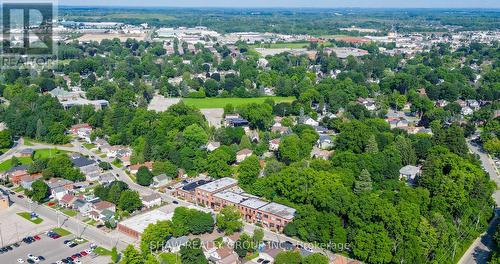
(364, 182)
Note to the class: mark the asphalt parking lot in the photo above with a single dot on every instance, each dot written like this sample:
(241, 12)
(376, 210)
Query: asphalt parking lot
(51, 249)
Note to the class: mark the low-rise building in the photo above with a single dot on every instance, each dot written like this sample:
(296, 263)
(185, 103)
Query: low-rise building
(243, 154)
(160, 180)
(151, 200)
(135, 226)
(409, 173)
(204, 193)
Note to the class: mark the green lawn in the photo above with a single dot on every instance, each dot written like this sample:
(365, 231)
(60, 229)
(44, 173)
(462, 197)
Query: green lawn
(69, 212)
(102, 251)
(170, 258)
(61, 231)
(7, 165)
(26, 216)
(48, 153)
(202, 103)
(89, 146)
(117, 163)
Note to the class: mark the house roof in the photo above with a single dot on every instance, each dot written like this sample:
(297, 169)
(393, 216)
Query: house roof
(101, 205)
(244, 152)
(82, 162)
(160, 178)
(67, 198)
(152, 197)
(176, 241)
(409, 170)
(28, 151)
(18, 168)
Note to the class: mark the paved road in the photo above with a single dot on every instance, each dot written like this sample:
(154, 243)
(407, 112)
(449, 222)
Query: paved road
(15, 149)
(480, 249)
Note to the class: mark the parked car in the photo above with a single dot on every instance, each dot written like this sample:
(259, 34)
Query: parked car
(20, 260)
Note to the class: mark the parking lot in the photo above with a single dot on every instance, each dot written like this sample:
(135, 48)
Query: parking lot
(52, 250)
(13, 227)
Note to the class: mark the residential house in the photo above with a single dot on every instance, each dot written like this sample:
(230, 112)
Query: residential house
(283, 130)
(82, 206)
(243, 154)
(67, 200)
(467, 111)
(318, 153)
(368, 103)
(28, 180)
(224, 255)
(160, 180)
(174, 244)
(409, 173)
(235, 121)
(82, 131)
(324, 142)
(106, 178)
(151, 200)
(81, 161)
(16, 173)
(134, 168)
(102, 205)
(321, 129)
(212, 145)
(310, 121)
(106, 215)
(274, 144)
(474, 104)
(26, 153)
(441, 103)
(58, 192)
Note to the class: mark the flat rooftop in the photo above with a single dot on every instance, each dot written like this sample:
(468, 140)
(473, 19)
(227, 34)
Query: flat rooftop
(253, 203)
(218, 185)
(231, 197)
(279, 210)
(140, 222)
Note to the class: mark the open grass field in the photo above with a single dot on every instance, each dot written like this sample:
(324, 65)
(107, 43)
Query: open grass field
(205, 103)
(48, 153)
(7, 165)
(27, 216)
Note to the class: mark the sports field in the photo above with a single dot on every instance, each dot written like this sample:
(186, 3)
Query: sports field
(205, 103)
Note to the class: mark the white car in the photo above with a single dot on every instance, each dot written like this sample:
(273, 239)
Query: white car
(77, 261)
(59, 262)
(20, 260)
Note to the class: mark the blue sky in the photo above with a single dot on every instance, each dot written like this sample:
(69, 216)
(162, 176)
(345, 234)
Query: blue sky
(293, 3)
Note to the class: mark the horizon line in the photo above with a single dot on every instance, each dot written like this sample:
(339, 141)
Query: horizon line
(282, 7)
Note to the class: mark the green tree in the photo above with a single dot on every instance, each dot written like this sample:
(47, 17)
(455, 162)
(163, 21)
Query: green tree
(316, 258)
(114, 255)
(39, 191)
(192, 253)
(129, 201)
(248, 170)
(229, 220)
(5, 139)
(288, 257)
(363, 183)
(144, 177)
(195, 136)
(155, 235)
(371, 145)
(406, 150)
(132, 256)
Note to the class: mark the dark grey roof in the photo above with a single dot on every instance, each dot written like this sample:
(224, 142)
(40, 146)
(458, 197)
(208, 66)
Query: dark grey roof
(82, 162)
(193, 185)
(18, 168)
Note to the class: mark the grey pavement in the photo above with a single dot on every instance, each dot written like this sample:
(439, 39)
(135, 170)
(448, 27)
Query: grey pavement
(481, 248)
